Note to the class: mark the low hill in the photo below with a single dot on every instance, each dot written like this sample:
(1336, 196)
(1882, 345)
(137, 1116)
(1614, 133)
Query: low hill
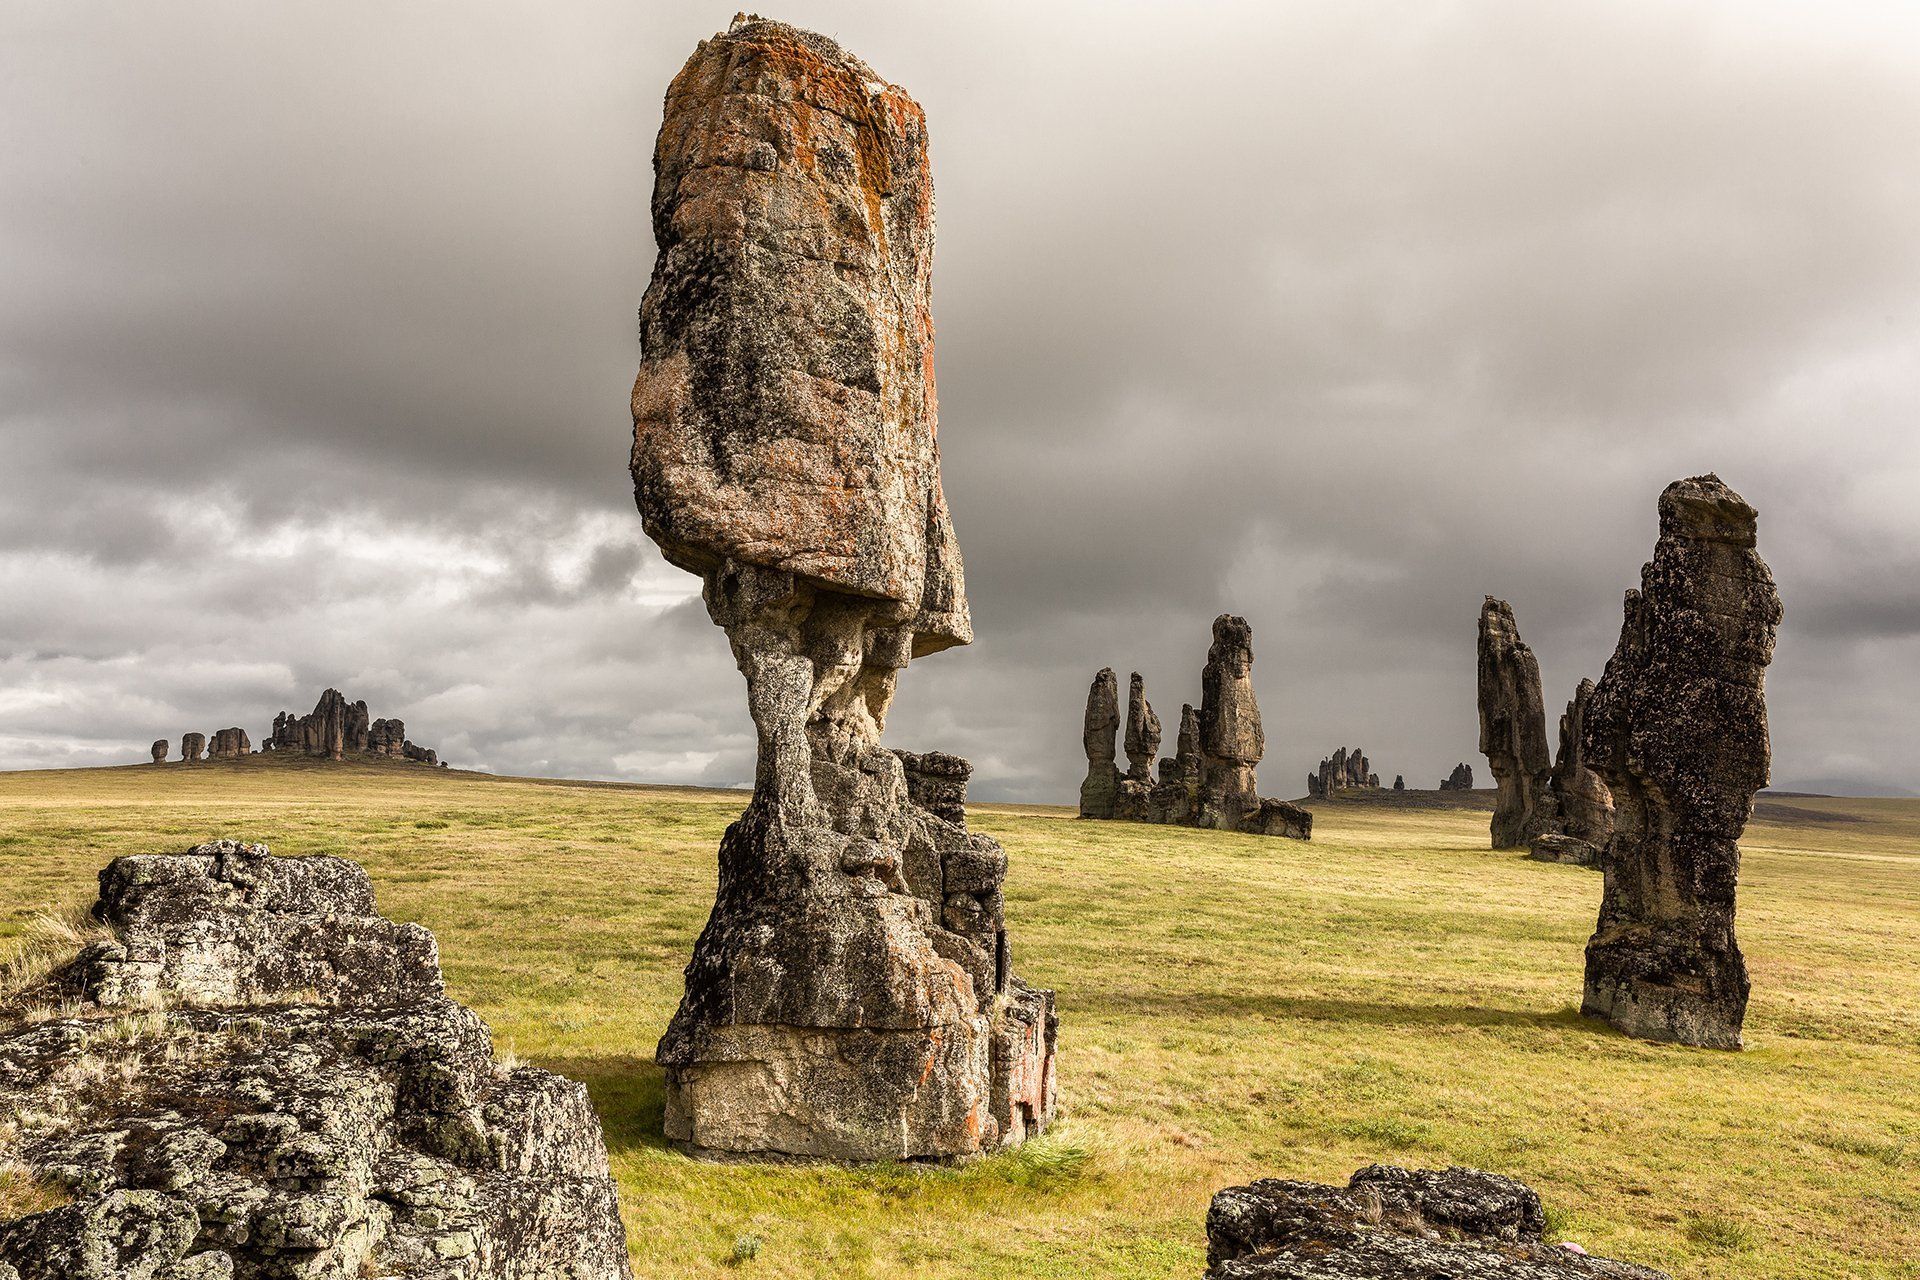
(1231, 1007)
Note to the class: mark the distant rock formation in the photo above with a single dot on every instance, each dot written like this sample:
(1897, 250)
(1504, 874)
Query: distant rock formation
(1513, 730)
(336, 729)
(1143, 731)
(1584, 804)
(1390, 1223)
(1677, 729)
(160, 748)
(1101, 790)
(852, 996)
(297, 1096)
(1210, 779)
(1399, 783)
(193, 747)
(1461, 779)
(1341, 771)
(229, 744)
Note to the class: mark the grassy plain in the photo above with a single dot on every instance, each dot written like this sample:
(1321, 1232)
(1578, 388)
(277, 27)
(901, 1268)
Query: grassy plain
(1231, 1007)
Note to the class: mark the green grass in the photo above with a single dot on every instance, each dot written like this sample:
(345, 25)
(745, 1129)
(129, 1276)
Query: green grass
(1231, 1007)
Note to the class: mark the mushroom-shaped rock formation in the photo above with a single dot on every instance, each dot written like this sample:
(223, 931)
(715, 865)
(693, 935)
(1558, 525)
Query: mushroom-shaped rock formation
(159, 750)
(784, 450)
(259, 1075)
(1677, 729)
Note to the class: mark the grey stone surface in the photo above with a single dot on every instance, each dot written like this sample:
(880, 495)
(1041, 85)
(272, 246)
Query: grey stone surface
(1580, 795)
(229, 744)
(260, 1077)
(1677, 729)
(852, 995)
(1346, 769)
(937, 782)
(1143, 731)
(159, 750)
(1571, 850)
(1513, 730)
(1390, 1223)
(1099, 792)
(1461, 779)
(193, 747)
(336, 729)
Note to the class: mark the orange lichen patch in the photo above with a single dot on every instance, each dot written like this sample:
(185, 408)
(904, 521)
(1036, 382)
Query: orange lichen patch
(934, 1037)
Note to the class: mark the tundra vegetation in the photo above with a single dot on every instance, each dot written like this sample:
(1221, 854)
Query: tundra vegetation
(1235, 1007)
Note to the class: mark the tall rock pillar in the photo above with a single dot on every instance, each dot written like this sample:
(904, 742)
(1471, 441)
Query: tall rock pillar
(1513, 730)
(1101, 788)
(852, 995)
(1677, 728)
(1231, 740)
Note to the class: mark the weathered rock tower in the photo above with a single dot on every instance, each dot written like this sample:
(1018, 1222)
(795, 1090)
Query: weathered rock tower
(852, 996)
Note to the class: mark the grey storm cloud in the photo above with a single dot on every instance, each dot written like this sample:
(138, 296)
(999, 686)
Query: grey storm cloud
(319, 328)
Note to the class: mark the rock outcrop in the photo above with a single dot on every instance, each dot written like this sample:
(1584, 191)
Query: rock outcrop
(1677, 729)
(1210, 779)
(1571, 850)
(852, 995)
(1461, 779)
(1143, 731)
(336, 729)
(937, 782)
(193, 747)
(1100, 792)
(1513, 730)
(159, 749)
(1342, 771)
(260, 1076)
(1399, 783)
(229, 744)
(1390, 1223)
(1581, 798)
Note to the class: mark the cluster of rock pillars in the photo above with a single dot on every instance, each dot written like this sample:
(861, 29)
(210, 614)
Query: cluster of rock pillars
(324, 1110)
(335, 730)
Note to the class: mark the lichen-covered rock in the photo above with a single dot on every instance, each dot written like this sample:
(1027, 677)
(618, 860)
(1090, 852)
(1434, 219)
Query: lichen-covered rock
(229, 744)
(852, 995)
(1390, 1223)
(1677, 729)
(386, 738)
(1580, 796)
(193, 747)
(937, 782)
(159, 750)
(1513, 730)
(1461, 779)
(1100, 790)
(1279, 818)
(261, 1078)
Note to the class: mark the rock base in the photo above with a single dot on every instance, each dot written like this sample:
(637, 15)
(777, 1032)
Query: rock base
(1564, 849)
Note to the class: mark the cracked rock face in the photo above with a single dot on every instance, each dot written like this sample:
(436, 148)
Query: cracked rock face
(260, 1077)
(1143, 731)
(1584, 803)
(1677, 729)
(852, 996)
(229, 744)
(193, 747)
(1513, 730)
(1390, 1223)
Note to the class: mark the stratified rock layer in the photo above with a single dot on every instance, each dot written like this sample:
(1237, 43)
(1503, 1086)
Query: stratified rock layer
(1390, 1223)
(852, 995)
(261, 1077)
(1100, 791)
(1677, 729)
(1513, 730)
(1584, 804)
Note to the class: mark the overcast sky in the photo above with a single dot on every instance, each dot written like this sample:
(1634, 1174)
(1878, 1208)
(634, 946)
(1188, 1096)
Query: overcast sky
(318, 326)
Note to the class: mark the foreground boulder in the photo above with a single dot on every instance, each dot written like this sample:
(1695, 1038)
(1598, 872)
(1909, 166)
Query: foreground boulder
(852, 996)
(1390, 1223)
(1677, 729)
(260, 1076)
(1513, 730)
